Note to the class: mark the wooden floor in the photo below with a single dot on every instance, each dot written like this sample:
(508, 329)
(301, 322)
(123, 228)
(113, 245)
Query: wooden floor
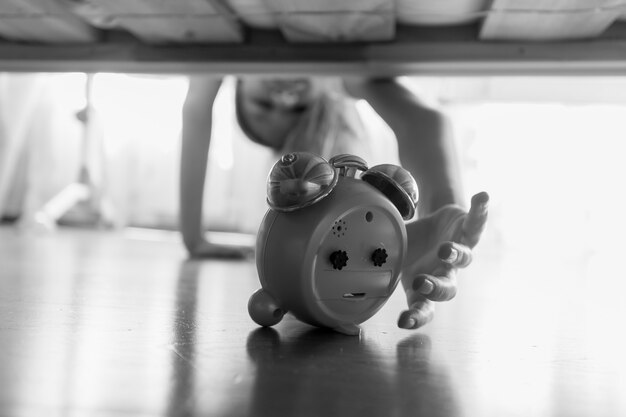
(97, 324)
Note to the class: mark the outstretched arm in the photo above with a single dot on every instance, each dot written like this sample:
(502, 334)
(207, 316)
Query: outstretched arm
(424, 137)
(197, 124)
(440, 241)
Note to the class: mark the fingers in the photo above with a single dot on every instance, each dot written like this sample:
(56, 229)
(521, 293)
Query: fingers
(437, 279)
(418, 314)
(436, 288)
(476, 219)
(455, 254)
(480, 203)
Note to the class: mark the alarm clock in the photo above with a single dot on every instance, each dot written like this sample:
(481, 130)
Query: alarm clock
(332, 244)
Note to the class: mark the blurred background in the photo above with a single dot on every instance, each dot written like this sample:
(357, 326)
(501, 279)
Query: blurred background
(548, 149)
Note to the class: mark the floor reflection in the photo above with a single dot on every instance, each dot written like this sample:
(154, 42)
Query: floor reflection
(317, 372)
(427, 387)
(181, 396)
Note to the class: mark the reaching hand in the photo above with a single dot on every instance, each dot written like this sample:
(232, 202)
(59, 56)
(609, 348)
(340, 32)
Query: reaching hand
(438, 245)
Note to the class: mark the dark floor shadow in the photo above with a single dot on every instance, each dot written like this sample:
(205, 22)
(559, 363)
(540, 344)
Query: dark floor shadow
(313, 372)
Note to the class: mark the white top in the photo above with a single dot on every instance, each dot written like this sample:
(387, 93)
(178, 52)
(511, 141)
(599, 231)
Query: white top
(235, 189)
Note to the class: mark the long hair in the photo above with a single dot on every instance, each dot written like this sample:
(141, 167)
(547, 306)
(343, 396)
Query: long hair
(331, 125)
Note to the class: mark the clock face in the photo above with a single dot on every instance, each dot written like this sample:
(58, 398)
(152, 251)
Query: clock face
(357, 263)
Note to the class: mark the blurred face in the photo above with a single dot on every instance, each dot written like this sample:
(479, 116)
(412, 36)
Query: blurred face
(269, 108)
